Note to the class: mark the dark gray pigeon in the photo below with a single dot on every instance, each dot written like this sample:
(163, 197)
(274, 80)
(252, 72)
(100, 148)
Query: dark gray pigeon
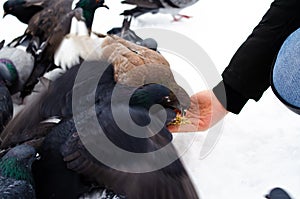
(126, 33)
(15, 173)
(172, 7)
(65, 157)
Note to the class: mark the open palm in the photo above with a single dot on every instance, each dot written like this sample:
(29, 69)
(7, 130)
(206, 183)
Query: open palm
(205, 111)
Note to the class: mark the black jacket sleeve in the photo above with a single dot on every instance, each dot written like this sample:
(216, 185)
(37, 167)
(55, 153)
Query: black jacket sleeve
(248, 73)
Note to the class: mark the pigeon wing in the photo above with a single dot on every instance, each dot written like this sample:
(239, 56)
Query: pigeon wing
(168, 182)
(144, 3)
(180, 3)
(10, 188)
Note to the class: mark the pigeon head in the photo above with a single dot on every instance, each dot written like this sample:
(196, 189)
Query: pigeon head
(149, 43)
(19, 9)
(16, 163)
(150, 94)
(10, 6)
(89, 7)
(100, 3)
(8, 72)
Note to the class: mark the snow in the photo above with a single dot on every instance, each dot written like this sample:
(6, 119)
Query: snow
(259, 148)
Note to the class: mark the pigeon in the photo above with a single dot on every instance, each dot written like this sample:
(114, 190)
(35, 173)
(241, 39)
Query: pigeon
(126, 33)
(278, 193)
(89, 7)
(15, 173)
(16, 65)
(65, 155)
(168, 182)
(154, 6)
(22, 9)
(19, 61)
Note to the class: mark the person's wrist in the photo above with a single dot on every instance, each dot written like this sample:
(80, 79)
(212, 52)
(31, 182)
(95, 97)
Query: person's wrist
(230, 99)
(218, 110)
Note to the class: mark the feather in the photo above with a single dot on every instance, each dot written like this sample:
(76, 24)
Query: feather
(154, 6)
(84, 46)
(15, 173)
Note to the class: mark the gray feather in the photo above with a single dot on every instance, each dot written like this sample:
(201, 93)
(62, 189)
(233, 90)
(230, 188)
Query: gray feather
(12, 189)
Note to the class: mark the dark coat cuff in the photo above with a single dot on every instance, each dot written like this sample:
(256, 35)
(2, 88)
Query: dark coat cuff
(229, 98)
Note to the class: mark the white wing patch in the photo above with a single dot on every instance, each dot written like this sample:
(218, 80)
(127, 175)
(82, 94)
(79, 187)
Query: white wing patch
(78, 44)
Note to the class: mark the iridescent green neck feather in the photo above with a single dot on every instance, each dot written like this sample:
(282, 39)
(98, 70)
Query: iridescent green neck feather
(89, 7)
(140, 98)
(11, 168)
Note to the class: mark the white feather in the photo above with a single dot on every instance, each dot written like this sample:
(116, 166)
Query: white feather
(98, 194)
(73, 28)
(77, 44)
(67, 54)
(82, 29)
(54, 74)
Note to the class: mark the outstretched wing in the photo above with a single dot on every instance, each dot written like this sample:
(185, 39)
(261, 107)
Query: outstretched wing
(171, 181)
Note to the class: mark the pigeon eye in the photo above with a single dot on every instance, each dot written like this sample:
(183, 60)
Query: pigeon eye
(37, 156)
(167, 98)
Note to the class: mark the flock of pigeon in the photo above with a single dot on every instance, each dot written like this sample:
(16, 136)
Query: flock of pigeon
(43, 158)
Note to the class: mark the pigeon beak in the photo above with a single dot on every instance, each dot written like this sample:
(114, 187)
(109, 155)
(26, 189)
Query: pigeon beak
(5, 13)
(105, 6)
(101, 4)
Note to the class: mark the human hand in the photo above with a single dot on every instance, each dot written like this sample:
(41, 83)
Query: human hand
(205, 111)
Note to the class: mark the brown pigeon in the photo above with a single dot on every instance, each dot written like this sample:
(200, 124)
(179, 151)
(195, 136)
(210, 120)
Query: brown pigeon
(134, 65)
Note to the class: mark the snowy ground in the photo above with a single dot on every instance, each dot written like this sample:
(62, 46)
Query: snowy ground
(259, 149)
